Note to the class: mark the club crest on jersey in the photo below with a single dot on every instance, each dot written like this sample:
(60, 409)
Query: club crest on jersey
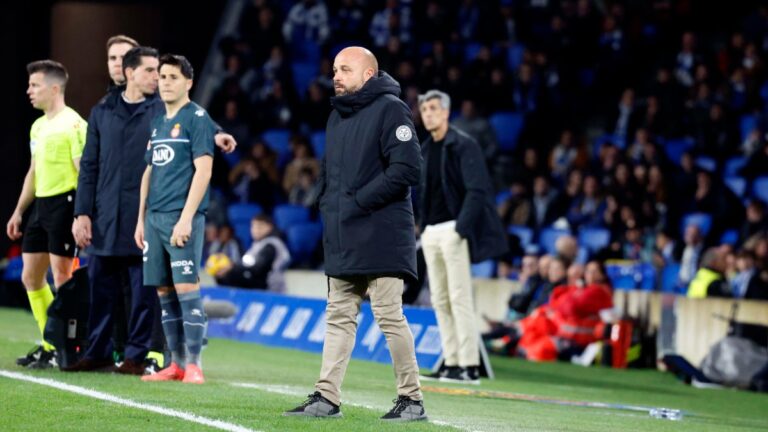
(162, 155)
(176, 130)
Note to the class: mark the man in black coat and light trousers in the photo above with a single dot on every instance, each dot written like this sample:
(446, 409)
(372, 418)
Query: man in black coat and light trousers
(459, 225)
(372, 160)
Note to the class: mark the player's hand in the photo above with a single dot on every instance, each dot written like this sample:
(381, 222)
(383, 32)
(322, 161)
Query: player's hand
(138, 235)
(181, 233)
(81, 231)
(13, 229)
(225, 142)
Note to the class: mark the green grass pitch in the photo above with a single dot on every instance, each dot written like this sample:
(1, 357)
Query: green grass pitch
(251, 385)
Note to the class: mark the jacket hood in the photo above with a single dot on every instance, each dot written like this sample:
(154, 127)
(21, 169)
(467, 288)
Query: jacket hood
(379, 85)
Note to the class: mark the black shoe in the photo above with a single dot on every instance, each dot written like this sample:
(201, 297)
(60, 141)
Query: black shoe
(151, 366)
(406, 409)
(46, 360)
(91, 365)
(131, 367)
(315, 406)
(31, 356)
(435, 376)
(461, 375)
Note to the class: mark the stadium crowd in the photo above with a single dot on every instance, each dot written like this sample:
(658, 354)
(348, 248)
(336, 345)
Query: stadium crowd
(643, 140)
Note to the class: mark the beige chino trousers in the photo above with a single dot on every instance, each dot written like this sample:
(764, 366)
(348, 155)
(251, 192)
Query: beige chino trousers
(450, 286)
(344, 299)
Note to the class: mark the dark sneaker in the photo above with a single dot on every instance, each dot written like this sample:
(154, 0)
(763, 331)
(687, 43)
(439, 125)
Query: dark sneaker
(31, 356)
(131, 367)
(91, 365)
(435, 376)
(461, 375)
(315, 406)
(46, 360)
(151, 366)
(406, 409)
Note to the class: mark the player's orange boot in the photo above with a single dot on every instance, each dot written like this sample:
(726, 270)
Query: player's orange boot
(171, 373)
(193, 375)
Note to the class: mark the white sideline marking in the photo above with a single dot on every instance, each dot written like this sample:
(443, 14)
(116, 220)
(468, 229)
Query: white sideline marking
(294, 391)
(218, 424)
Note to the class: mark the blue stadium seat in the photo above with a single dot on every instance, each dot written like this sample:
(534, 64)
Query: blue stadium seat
(730, 237)
(594, 239)
(670, 276)
(549, 236)
(303, 239)
(318, 143)
(508, 126)
(303, 74)
(676, 147)
(240, 216)
(232, 158)
(243, 212)
(12, 272)
(737, 184)
(760, 188)
(243, 234)
(647, 274)
(485, 269)
(582, 255)
(278, 140)
(733, 165)
(702, 220)
(622, 276)
(764, 93)
(515, 55)
(706, 163)
(746, 124)
(287, 215)
(524, 233)
(502, 196)
(471, 50)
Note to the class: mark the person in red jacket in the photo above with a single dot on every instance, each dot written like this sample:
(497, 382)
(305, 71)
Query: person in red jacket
(570, 319)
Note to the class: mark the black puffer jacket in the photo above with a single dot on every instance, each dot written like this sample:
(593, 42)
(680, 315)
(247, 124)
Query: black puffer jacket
(372, 159)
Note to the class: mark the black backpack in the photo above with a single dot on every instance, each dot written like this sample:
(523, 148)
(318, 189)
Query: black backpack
(67, 326)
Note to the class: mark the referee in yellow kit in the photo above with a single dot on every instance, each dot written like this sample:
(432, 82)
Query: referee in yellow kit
(56, 143)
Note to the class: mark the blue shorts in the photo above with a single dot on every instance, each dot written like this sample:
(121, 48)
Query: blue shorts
(166, 265)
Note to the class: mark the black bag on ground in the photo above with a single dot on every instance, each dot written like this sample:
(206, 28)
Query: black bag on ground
(67, 326)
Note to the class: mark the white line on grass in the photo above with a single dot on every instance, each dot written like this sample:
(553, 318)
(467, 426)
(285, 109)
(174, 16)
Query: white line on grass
(294, 391)
(218, 424)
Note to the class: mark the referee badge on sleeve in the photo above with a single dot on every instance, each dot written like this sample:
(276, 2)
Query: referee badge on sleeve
(403, 133)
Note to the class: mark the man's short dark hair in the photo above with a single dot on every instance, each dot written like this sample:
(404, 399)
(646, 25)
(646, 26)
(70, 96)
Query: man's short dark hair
(132, 58)
(121, 39)
(52, 70)
(179, 61)
(263, 218)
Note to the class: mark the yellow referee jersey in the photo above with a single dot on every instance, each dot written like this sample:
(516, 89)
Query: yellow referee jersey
(54, 143)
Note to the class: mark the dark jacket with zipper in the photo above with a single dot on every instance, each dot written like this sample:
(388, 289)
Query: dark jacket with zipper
(371, 161)
(111, 169)
(468, 193)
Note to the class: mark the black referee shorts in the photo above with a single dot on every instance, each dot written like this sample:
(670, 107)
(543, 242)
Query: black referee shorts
(49, 228)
